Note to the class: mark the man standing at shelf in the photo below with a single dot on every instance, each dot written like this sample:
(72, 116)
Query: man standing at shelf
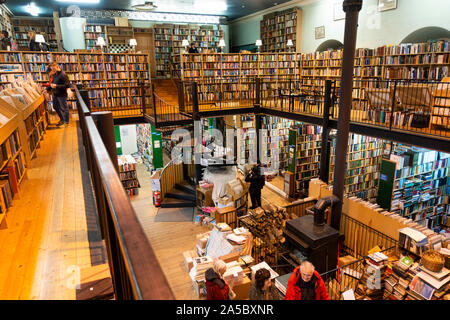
(193, 48)
(5, 42)
(257, 181)
(59, 85)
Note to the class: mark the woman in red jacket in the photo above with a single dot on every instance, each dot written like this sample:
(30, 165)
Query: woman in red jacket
(306, 284)
(216, 287)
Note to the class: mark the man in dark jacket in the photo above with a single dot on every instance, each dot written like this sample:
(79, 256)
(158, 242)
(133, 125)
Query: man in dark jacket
(5, 42)
(216, 287)
(306, 284)
(59, 85)
(257, 182)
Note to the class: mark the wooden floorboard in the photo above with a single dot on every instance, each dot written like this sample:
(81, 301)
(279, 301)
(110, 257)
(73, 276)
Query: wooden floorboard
(46, 243)
(171, 239)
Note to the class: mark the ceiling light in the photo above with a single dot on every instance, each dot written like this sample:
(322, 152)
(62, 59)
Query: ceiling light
(80, 1)
(32, 9)
(147, 6)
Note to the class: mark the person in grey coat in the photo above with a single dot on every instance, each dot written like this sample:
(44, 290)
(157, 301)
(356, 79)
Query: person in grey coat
(262, 287)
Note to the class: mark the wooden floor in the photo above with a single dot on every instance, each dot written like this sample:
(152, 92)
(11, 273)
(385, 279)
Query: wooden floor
(171, 239)
(46, 243)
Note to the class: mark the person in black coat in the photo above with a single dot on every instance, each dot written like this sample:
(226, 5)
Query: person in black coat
(60, 84)
(5, 42)
(257, 182)
(193, 48)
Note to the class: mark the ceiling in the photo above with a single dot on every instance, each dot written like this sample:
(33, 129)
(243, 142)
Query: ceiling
(232, 9)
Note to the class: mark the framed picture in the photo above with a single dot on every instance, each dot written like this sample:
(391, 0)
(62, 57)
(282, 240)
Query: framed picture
(384, 5)
(320, 32)
(338, 12)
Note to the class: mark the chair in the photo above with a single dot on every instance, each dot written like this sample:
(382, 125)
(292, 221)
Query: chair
(415, 101)
(379, 104)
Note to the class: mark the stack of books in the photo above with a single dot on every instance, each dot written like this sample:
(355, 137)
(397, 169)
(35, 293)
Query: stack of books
(377, 260)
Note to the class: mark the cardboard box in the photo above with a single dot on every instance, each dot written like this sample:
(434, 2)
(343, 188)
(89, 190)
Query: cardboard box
(241, 290)
(346, 260)
(227, 215)
(187, 259)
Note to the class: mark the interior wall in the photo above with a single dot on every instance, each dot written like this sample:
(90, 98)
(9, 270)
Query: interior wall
(374, 28)
(128, 139)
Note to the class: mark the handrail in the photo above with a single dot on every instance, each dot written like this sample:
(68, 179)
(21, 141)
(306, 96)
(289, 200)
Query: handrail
(130, 254)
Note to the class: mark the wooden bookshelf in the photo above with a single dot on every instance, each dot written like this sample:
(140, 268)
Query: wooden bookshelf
(276, 137)
(118, 35)
(440, 114)
(128, 174)
(363, 165)
(91, 34)
(112, 79)
(168, 40)
(44, 26)
(277, 27)
(421, 185)
(6, 22)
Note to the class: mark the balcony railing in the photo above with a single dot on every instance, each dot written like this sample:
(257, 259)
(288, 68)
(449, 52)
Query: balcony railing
(135, 270)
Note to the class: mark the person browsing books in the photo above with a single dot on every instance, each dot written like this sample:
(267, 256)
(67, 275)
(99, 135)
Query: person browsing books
(216, 287)
(193, 48)
(59, 85)
(262, 288)
(5, 42)
(257, 182)
(305, 283)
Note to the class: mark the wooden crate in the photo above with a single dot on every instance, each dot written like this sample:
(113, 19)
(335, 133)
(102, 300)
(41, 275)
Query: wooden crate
(227, 215)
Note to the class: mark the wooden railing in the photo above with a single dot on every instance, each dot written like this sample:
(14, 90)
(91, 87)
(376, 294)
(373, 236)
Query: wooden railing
(135, 270)
(298, 207)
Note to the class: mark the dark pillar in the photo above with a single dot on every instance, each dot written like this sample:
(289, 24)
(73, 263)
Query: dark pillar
(324, 153)
(154, 104)
(105, 125)
(142, 89)
(198, 134)
(351, 8)
(258, 126)
(85, 95)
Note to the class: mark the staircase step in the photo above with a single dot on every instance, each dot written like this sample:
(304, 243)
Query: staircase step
(177, 203)
(178, 194)
(186, 187)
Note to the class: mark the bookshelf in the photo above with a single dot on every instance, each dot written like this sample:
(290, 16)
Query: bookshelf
(44, 26)
(246, 140)
(91, 34)
(277, 27)
(128, 175)
(144, 144)
(440, 113)
(363, 166)
(168, 40)
(112, 79)
(6, 22)
(421, 185)
(276, 137)
(306, 157)
(118, 35)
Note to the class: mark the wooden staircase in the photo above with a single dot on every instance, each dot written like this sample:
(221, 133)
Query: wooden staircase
(166, 90)
(182, 196)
